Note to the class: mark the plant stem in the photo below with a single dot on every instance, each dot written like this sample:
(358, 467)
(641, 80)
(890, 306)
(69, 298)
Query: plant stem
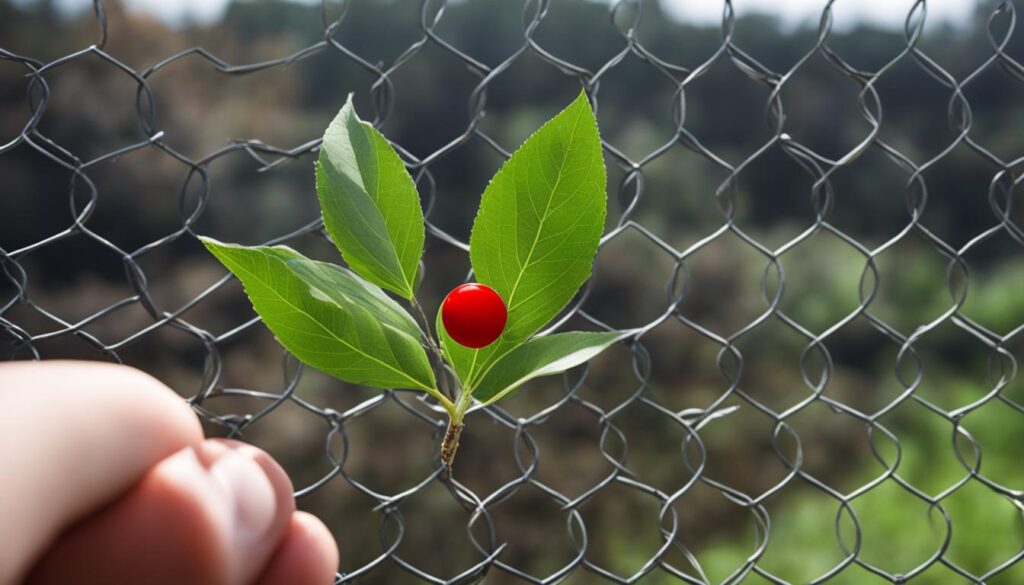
(448, 405)
(456, 410)
(426, 328)
(450, 445)
(435, 351)
(455, 425)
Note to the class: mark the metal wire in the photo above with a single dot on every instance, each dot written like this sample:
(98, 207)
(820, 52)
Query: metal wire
(816, 365)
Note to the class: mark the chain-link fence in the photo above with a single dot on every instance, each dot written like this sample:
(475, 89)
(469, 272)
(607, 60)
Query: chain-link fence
(787, 417)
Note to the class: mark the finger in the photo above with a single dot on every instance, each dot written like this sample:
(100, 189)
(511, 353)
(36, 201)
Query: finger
(308, 555)
(76, 434)
(212, 514)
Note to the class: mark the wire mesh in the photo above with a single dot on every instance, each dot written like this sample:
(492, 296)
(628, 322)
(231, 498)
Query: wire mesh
(674, 558)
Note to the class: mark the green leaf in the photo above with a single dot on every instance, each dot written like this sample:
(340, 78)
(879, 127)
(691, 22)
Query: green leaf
(541, 219)
(537, 231)
(341, 285)
(329, 318)
(541, 356)
(370, 205)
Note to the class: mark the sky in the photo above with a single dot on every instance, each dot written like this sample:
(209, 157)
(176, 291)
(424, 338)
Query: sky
(846, 13)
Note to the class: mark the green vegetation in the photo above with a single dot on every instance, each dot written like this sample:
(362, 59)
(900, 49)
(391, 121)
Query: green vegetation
(533, 241)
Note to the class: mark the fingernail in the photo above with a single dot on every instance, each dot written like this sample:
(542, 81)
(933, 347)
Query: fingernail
(253, 503)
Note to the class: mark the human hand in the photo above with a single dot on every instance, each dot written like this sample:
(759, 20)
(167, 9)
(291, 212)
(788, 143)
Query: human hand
(105, 477)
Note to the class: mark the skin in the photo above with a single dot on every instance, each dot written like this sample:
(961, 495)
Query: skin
(105, 477)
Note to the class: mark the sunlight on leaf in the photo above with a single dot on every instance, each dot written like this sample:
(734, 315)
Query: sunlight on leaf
(329, 318)
(370, 205)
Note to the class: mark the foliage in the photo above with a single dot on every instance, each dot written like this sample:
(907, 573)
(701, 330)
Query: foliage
(901, 531)
(370, 205)
(534, 241)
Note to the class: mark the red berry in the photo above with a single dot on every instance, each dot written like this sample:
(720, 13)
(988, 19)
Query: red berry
(474, 315)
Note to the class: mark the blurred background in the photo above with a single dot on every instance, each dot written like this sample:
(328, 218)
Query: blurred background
(817, 208)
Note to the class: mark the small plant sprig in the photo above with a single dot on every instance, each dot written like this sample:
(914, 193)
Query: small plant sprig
(531, 248)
